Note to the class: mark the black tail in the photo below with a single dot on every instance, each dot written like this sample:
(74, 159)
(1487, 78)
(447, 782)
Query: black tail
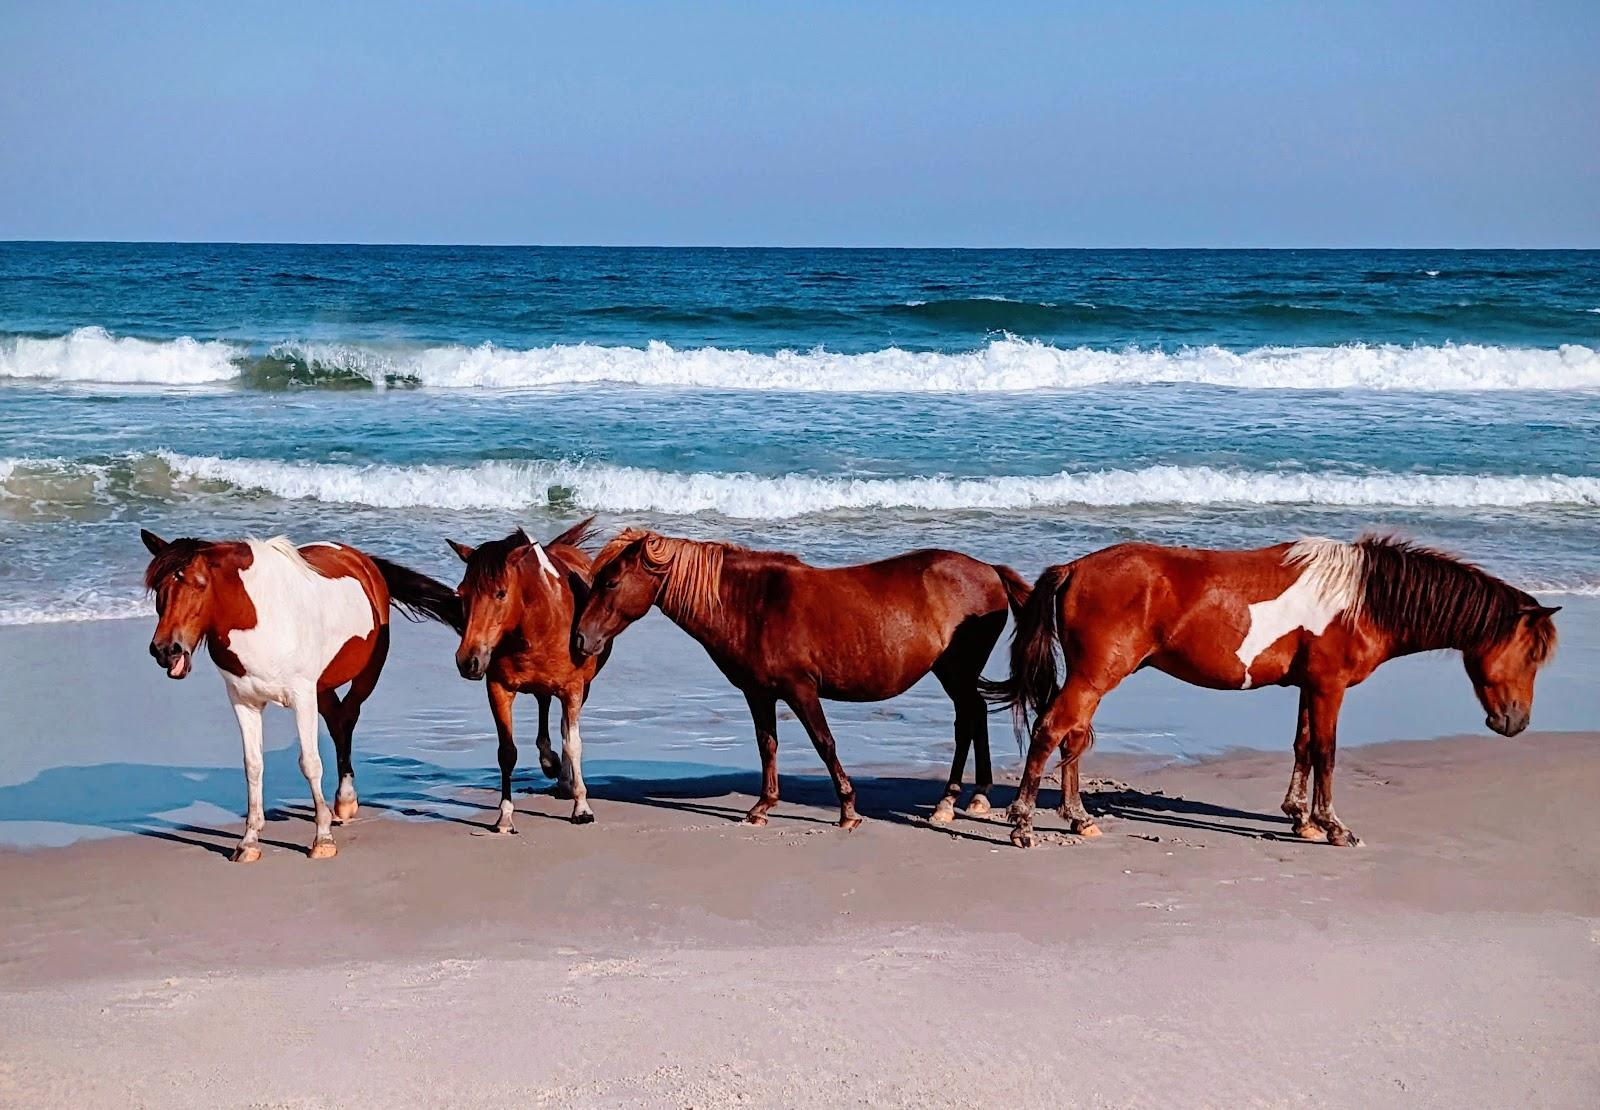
(1035, 680)
(420, 597)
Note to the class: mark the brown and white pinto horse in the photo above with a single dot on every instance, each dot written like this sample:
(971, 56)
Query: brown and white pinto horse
(519, 600)
(286, 625)
(1318, 614)
(784, 631)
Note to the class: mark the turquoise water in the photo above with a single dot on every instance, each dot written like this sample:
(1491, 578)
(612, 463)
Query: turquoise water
(1023, 405)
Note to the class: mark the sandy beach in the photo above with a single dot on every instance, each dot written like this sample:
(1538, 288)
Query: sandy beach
(669, 956)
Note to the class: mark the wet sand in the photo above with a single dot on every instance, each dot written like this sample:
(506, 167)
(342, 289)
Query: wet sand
(669, 956)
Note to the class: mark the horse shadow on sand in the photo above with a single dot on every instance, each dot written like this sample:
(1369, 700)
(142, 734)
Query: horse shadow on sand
(158, 801)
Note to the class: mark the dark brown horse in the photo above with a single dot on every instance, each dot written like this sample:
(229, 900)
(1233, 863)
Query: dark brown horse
(518, 600)
(784, 631)
(1318, 614)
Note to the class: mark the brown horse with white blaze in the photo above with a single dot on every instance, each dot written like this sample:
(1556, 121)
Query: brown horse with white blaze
(285, 625)
(781, 630)
(1319, 614)
(519, 599)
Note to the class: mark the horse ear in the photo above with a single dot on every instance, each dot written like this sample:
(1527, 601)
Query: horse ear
(462, 550)
(1537, 611)
(153, 542)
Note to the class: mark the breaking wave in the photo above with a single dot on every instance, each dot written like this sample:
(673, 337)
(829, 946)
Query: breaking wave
(622, 489)
(1002, 365)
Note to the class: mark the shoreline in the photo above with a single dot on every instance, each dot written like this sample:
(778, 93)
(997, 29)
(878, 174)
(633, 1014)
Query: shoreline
(668, 955)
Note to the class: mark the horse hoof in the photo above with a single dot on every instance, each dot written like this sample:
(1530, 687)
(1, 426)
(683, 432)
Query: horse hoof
(1086, 829)
(504, 830)
(584, 818)
(943, 813)
(1311, 832)
(1022, 839)
(246, 853)
(849, 822)
(323, 849)
(755, 819)
(550, 767)
(345, 809)
(1344, 838)
(978, 806)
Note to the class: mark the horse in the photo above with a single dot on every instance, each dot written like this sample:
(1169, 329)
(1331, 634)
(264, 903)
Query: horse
(519, 600)
(781, 630)
(286, 625)
(1317, 614)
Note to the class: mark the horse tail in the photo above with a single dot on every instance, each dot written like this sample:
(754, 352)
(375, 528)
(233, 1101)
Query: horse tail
(576, 536)
(1017, 589)
(1035, 679)
(420, 597)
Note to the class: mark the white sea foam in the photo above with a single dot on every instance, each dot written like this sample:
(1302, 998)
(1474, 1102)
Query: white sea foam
(1002, 365)
(620, 489)
(86, 607)
(94, 355)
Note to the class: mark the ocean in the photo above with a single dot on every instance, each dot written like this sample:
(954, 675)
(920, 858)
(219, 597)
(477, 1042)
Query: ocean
(1025, 406)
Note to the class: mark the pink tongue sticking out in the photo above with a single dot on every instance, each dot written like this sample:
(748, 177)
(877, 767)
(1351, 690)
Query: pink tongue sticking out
(179, 666)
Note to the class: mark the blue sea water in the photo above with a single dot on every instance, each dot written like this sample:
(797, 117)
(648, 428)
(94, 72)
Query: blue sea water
(1026, 406)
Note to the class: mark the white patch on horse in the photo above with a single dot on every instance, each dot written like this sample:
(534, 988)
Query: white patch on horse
(544, 562)
(1329, 585)
(302, 620)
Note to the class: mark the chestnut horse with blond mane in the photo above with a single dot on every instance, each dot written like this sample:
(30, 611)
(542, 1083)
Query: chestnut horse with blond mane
(286, 625)
(1319, 614)
(519, 599)
(781, 630)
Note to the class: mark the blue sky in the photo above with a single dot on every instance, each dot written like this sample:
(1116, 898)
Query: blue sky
(1023, 124)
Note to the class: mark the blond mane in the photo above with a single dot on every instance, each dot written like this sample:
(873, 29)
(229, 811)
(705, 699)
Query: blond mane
(692, 569)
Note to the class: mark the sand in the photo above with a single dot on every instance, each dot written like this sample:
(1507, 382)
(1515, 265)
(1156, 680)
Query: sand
(669, 956)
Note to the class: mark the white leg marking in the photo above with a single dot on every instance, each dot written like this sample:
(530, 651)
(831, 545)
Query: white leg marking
(249, 718)
(572, 762)
(305, 719)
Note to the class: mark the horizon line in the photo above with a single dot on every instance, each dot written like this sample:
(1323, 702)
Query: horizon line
(746, 246)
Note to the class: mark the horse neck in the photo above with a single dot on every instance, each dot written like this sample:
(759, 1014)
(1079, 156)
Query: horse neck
(546, 602)
(713, 625)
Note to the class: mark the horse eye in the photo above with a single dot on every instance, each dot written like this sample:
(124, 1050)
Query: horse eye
(500, 595)
(178, 576)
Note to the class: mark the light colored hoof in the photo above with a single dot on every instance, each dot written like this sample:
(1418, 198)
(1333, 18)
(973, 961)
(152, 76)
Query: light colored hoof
(246, 853)
(1344, 838)
(943, 813)
(1311, 832)
(323, 849)
(849, 822)
(1022, 838)
(978, 806)
(1086, 829)
(755, 819)
(504, 830)
(345, 809)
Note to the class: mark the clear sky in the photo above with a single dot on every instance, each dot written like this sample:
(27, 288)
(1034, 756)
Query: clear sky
(1023, 124)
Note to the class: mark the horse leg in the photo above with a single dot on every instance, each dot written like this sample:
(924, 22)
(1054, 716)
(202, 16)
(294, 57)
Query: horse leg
(1295, 805)
(809, 710)
(1324, 739)
(764, 712)
(249, 718)
(548, 763)
(1065, 724)
(500, 701)
(304, 704)
(572, 757)
(342, 725)
(1072, 809)
(971, 727)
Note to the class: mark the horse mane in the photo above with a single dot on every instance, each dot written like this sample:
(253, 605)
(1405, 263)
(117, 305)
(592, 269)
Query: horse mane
(284, 548)
(692, 569)
(1431, 599)
(490, 561)
(173, 558)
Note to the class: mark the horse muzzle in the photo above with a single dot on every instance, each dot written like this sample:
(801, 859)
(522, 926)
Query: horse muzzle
(1509, 722)
(587, 645)
(473, 665)
(174, 658)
